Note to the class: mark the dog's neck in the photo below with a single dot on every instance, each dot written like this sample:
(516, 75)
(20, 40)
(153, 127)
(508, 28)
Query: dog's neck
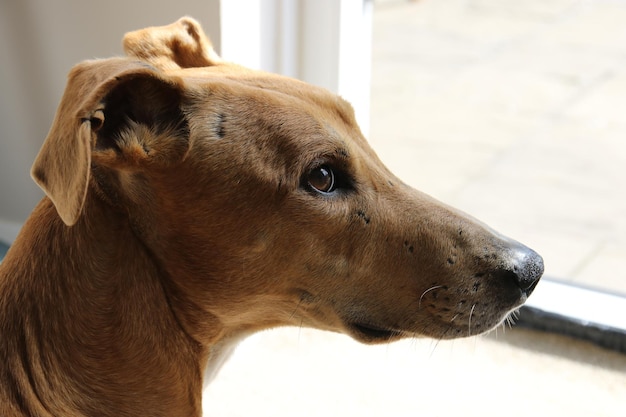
(92, 316)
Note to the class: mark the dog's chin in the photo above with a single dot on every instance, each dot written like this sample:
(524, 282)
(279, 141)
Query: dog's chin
(367, 333)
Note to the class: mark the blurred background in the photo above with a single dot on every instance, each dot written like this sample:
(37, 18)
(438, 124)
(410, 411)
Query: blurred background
(510, 110)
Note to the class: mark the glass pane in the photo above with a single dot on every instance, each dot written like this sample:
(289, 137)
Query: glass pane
(514, 112)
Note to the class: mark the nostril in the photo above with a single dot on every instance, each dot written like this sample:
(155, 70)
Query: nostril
(527, 269)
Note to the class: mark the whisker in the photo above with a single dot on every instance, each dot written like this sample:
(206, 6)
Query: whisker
(432, 351)
(419, 305)
(510, 320)
(295, 310)
(469, 324)
(300, 330)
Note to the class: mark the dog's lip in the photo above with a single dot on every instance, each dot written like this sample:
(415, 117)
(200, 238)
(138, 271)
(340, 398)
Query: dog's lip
(372, 333)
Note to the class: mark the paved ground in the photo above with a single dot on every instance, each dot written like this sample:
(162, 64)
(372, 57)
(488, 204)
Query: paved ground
(512, 110)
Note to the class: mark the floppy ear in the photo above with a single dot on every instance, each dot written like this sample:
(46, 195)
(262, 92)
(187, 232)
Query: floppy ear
(181, 44)
(101, 99)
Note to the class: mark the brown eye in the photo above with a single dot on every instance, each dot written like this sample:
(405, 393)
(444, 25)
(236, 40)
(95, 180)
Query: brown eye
(322, 179)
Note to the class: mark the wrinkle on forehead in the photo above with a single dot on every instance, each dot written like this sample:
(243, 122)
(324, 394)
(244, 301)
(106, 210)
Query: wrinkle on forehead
(328, 102)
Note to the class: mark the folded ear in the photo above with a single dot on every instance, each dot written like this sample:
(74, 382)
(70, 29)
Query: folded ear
(181, 44)
(102, 99)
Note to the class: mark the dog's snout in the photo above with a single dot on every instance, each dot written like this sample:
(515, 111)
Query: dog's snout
(525, 269)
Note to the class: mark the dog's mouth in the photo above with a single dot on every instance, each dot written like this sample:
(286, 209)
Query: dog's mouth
(369, 333)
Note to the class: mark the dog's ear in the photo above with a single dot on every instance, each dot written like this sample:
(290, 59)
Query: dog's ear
(97, 121)
(182, 44)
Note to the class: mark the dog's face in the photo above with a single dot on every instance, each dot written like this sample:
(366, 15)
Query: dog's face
(265, 206)
(294, 210)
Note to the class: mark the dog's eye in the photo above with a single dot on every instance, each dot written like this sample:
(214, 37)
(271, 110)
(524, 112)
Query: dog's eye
(322, 179)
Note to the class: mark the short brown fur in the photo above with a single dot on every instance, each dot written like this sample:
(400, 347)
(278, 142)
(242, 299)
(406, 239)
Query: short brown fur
(181, 216)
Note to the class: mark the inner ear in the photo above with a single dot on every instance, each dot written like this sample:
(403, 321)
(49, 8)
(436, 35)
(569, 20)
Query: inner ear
(144, 102)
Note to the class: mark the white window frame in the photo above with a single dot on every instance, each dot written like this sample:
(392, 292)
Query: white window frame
(322, 42)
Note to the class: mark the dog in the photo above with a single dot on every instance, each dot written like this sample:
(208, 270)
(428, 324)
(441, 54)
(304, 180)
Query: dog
(191, 202)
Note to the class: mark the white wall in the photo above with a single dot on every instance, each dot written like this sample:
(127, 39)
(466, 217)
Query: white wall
(40, 41)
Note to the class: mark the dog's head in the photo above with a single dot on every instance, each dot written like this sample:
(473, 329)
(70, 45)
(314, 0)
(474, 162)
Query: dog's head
(264, 205)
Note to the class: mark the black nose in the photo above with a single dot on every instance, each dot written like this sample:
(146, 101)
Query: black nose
(525, 268)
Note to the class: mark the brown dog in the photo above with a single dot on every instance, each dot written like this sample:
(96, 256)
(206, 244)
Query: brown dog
(190, 203)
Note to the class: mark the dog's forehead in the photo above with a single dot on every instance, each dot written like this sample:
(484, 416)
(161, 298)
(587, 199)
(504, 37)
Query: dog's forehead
(276, 126)
(263, 102)
(273, 90)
